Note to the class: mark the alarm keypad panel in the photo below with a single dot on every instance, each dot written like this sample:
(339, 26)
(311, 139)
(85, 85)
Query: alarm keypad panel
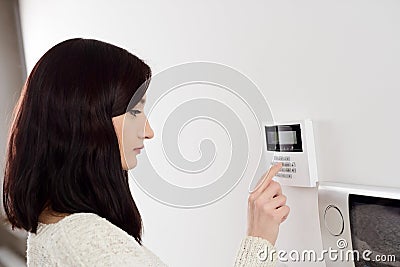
(288, 166)
(293, 145)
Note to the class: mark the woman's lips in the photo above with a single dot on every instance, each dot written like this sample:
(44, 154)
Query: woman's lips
(138, 149)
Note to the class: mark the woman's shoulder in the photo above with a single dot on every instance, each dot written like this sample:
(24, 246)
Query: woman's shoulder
(80, 226)
(74, 221)
(84, 239)
(74, 218)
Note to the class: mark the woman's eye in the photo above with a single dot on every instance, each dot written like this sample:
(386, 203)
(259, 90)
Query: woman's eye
(134, 112)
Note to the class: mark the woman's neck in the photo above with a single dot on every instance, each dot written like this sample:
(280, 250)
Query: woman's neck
(49, 216)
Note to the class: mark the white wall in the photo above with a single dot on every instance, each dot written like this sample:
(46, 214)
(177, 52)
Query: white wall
(336, 62)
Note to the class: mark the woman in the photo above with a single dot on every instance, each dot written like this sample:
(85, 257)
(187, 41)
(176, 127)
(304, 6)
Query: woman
(66, 179)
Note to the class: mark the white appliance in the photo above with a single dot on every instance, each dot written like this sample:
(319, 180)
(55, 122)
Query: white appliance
(360, 225)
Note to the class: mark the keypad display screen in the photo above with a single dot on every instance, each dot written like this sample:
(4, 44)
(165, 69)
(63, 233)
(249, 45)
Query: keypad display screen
(285, 138)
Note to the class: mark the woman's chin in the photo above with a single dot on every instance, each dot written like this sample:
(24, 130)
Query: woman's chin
(132, 164)
(129, 165)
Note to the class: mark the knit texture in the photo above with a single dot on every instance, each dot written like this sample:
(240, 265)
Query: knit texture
(257, 252)
(86, 239)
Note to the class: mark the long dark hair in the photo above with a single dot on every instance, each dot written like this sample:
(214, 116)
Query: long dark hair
(62, 149)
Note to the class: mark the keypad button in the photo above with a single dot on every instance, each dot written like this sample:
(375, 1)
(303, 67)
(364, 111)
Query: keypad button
(293, 164)
(294, 170)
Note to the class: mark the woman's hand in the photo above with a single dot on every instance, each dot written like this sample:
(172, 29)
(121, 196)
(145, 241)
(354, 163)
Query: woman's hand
(267, 207)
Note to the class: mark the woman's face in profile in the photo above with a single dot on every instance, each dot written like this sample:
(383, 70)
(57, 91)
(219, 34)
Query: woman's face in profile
(132, 128)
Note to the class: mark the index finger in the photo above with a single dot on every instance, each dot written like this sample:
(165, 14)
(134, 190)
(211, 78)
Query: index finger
(266, 179)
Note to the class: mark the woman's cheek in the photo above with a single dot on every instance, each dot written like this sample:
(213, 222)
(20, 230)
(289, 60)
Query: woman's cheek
(128, 137)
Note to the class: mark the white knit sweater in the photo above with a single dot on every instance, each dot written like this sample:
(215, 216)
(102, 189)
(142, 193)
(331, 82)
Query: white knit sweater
(85, 239)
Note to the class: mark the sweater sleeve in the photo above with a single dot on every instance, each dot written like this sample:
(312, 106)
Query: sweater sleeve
(256, 252)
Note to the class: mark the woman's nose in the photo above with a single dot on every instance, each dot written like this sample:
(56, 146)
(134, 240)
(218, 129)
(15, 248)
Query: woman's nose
(148, 131)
